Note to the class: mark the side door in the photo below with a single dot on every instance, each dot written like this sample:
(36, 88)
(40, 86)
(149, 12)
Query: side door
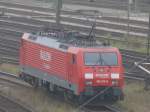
(71, 67)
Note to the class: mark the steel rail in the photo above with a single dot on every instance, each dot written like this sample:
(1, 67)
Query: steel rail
(40, 27)
(13, 78)
(10, 60)
(113, 108)
(142, 68)
(100, 108)
(79, 27)
(43, 9)
(64, 11)
(134, 78)
(8, 74)
(39, 23)
(8, 104)
(117, 4)
(50, 13)
(32, 13)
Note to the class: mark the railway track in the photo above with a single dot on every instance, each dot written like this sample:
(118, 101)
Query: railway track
(13, 79)
(7, 103)
(113, 4)
(100, 108)
(108, 25)
(132, 56)
(117, 4)
(26, 24)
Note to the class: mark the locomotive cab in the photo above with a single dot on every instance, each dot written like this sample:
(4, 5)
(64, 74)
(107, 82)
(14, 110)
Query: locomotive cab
(98, 69)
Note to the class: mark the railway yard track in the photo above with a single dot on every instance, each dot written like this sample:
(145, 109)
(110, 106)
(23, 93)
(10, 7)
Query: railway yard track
(13, 79)
(114, 4)
(100, 108)
(114, 26)
(19, 18)
(8, 103)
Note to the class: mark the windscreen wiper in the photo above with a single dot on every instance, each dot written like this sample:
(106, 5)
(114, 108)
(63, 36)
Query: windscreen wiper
(105, 63)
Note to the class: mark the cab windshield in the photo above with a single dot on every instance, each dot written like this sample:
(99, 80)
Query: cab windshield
(101, 58)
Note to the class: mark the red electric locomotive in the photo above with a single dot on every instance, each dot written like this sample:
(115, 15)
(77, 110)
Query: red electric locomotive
(63, 62)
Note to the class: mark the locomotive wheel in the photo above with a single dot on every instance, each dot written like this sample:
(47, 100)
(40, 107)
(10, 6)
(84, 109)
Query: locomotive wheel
(35, 82)
(21, 76)
(51, 87)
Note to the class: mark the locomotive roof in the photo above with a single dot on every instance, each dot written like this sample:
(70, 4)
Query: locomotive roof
(62, 40)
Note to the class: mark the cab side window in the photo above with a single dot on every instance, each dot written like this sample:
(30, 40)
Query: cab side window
(73, 59)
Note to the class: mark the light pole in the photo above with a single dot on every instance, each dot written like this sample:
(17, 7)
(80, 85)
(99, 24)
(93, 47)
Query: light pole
(136, 5)
(129, 10)
(148, 40)
(58, 12)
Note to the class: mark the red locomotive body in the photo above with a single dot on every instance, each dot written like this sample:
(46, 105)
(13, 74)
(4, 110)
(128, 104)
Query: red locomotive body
(81, 71)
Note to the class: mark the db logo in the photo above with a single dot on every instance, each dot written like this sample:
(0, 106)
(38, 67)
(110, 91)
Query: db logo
(44, 55)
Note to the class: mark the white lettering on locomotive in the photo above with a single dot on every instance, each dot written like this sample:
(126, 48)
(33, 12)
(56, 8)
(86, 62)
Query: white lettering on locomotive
(46, 66)
(44, 55)
(102, 75)
(102, 81)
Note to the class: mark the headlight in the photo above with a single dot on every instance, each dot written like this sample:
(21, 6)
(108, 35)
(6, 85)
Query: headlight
(115, 75)
(88, 75)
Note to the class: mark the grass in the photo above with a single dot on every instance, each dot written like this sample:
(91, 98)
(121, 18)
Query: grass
(14, 69)
(136, 98)
(130, 43)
